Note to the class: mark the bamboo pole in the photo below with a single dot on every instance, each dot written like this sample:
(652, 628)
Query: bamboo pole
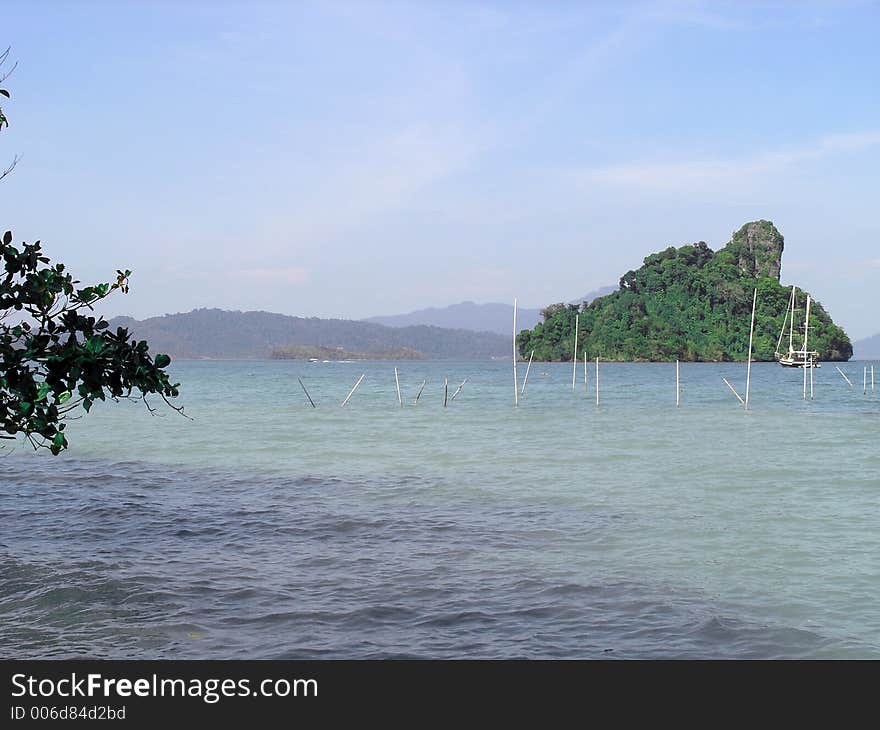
(515, 377)
(597, 381)
(811, 377)
(397, 382)
(751, 334)
(307, 393)
(348, 397)
(586, 386)
(526, 378)
(677, 386)
(806, 336)
(733, 390)
(844, 376)
(574, 357)
(458, 390)
(445, 390)
(865, 381)
(419, 394)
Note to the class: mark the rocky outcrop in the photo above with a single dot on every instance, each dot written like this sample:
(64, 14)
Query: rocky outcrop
(758, 249)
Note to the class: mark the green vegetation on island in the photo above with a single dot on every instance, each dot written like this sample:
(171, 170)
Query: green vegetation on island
(310, 352)
(689, 303)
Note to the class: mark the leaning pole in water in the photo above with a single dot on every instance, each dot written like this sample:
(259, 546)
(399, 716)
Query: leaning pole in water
(348, 397)
(749, 366)
(528, 367)
(306, 392)
(733, 390)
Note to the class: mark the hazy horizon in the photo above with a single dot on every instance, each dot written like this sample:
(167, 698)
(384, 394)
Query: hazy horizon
(352, 160)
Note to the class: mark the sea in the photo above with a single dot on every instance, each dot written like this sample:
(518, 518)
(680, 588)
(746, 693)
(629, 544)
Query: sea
(260, 527)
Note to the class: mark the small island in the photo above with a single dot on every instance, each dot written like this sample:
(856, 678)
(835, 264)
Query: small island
(691, 304)
(315, 352)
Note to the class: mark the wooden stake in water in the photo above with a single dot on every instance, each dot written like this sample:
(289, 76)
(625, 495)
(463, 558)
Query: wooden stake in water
(515, 377)
(872, 378)
(597, 381)
(811, 377)
(844, 376)
(677, 386)
(458, 390)
(306, 392)
(526, 378)
(445, 390)
(865, 381)
(806, 336)
(574, 357)
(749, 366)
(733, 390)
(419, 394)
(397, 382)
(348, 397)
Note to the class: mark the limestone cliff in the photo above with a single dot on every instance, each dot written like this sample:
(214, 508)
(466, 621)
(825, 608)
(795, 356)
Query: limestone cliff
(758, 247)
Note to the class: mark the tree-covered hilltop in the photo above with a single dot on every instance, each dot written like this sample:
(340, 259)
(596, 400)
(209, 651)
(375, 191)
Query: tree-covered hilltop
(690, 303)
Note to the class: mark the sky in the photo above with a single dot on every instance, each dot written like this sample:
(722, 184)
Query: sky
(350, 159)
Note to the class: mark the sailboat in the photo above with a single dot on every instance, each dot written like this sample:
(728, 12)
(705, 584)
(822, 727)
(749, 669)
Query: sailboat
(802, 358)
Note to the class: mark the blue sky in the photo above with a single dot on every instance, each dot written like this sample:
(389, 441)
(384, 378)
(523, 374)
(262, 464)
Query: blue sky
(351, 159)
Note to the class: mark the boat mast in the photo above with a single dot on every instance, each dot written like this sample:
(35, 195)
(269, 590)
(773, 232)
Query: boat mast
(791, 329)
(784, 323)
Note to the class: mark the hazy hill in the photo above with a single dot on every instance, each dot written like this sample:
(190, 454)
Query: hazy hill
(595, 294)
(490, 317)
(690, 303)
(217, 333)
(867, 349)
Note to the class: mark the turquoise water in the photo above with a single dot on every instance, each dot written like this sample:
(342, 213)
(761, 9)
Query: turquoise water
(264, 528)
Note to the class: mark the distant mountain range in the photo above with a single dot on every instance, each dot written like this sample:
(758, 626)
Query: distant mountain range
(867, 349)
(491, 317)
(221, 334)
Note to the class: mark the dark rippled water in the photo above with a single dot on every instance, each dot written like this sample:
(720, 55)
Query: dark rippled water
(556, 531)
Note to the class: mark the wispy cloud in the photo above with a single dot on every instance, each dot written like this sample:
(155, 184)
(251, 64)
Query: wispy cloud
(380, 176)
(283, 275)
(714, 173)
(751, 15)
(231, 273)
